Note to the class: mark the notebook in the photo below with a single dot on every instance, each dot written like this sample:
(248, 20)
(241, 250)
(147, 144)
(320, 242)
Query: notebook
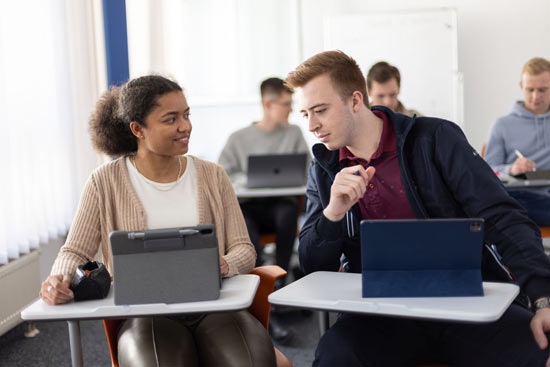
(276, 170)
(422, 257)
(172, 265)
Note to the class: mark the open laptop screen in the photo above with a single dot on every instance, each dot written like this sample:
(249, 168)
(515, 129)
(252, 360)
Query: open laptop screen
(276, 170)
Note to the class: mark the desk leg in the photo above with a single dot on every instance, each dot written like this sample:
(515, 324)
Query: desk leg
(323, 322)
(75, 342)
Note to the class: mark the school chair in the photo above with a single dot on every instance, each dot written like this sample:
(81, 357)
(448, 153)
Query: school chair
(259, 309)
(483, 148)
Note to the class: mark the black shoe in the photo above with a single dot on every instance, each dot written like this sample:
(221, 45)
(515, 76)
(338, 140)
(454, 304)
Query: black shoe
(278, 332)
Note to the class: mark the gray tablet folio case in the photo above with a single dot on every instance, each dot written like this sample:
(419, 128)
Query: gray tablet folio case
(171, 265)
(422, 258)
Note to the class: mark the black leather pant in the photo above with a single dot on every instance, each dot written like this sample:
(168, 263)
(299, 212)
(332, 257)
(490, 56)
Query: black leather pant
(221, 339)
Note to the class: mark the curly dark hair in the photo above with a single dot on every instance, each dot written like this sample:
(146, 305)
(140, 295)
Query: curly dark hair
(115, 109)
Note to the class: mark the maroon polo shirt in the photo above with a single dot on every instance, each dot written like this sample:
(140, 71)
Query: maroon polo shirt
(385, 197)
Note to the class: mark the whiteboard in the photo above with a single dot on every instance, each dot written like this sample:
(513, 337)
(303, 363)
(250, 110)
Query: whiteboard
(423, 45)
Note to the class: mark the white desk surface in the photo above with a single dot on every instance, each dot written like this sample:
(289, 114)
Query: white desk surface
(244, 192)
(237, 293)
(336, 291)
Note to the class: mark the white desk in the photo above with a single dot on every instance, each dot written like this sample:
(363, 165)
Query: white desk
(336, 291)
(244, 192)
(237, 293)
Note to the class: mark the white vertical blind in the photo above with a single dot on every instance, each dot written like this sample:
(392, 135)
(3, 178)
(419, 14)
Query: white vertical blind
(220, 50)
(38, 184)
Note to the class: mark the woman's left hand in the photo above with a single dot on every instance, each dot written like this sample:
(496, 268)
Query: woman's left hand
(224, 268)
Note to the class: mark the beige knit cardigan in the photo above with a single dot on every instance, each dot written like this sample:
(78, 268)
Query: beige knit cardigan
(109, 202)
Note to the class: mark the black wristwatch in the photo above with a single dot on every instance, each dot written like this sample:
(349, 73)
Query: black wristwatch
(543, 302)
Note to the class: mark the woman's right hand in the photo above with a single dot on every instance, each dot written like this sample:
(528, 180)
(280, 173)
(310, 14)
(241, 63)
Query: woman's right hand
(55, 289)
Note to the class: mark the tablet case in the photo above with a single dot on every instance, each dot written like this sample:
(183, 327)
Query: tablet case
(421, 258)
(537, 175)
(171, 265)
(276, 170)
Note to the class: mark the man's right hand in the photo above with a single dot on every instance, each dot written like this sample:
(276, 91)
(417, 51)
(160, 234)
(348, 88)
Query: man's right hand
(348, 187)
(522, 165)
(55, 289)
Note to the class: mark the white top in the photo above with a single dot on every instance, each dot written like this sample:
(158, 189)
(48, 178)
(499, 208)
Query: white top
(167, 205)
(338, 291)
(236, 293)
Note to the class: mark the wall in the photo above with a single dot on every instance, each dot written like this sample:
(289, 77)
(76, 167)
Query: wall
(495, 39)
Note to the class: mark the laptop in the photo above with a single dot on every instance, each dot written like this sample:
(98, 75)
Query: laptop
(422, 257)
(172, 265)
(276, 170)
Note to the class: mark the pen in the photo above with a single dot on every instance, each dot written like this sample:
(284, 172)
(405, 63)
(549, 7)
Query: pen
(518, 153)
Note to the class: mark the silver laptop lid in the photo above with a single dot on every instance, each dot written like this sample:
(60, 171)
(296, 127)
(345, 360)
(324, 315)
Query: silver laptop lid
(276, 170)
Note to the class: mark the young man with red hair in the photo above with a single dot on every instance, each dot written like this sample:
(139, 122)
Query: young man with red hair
(376, 164)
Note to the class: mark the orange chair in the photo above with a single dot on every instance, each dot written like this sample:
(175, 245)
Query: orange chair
(259, 309)
(544, 232)
(483, 149)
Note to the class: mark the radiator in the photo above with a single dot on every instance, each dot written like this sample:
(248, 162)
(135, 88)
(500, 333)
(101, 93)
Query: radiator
(19, 286)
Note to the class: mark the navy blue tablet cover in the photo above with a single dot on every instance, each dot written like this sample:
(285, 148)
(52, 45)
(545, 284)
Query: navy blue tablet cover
(421, 257)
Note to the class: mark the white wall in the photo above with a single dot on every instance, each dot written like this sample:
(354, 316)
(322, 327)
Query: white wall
(495, 39)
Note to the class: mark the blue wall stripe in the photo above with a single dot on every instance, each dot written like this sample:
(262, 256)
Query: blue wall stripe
(116, 41)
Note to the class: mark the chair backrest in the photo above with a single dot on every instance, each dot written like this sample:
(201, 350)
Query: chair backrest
(483, 148)
(259, 309)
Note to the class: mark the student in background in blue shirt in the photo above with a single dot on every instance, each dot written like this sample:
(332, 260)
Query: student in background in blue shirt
(520, 141)
(372, 158)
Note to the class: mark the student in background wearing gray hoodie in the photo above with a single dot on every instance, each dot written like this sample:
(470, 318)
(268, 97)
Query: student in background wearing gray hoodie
(520, 141)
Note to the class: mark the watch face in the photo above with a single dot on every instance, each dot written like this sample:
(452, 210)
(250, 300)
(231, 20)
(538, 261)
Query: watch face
(542, 303)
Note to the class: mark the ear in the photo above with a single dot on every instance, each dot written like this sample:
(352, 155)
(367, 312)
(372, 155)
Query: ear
(521, 84)
(357, 101)
(137, 129)
(266, 103)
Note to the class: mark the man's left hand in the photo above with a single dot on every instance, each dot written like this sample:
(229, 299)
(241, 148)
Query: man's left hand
(539, 325)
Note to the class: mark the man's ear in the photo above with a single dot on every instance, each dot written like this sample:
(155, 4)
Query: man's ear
(356, 100)
(266, 103)
(136, 129)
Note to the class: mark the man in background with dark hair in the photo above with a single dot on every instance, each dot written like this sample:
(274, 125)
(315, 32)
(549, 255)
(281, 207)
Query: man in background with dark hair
(271, 135)
(383, 86)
